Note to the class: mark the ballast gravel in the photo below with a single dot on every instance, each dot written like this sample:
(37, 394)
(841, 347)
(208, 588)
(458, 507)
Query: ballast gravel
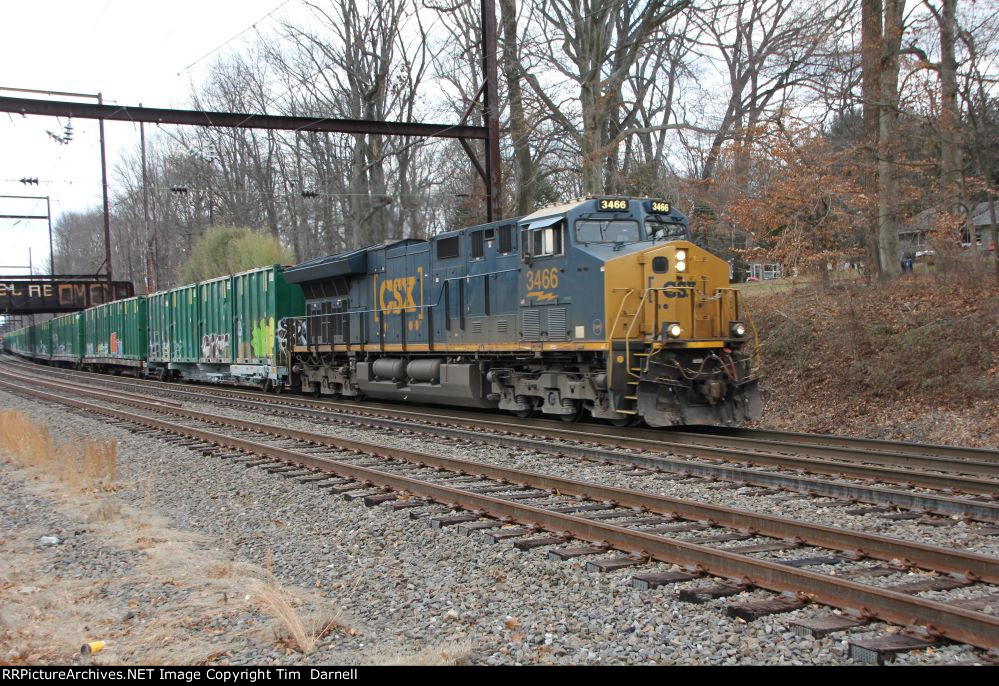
(407, 587)
(969, 536)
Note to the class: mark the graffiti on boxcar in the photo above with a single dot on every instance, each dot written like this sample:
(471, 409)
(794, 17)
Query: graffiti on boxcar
(214, 345)
(262, 340)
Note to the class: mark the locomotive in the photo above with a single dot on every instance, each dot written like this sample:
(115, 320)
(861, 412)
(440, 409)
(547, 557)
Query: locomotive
(603, 305)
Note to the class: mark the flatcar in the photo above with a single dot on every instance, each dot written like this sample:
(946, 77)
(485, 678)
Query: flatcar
(601, 306)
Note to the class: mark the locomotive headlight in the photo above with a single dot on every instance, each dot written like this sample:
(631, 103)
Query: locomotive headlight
(681, 255)
(738, 329)
(681, 266)
(673, 330)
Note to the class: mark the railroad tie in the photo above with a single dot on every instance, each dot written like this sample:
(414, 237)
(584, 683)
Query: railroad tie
(750, 611)
(881, 649)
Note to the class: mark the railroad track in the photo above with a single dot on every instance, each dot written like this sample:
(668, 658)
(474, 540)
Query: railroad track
(852, 482)
(764, 440)
(582, 519)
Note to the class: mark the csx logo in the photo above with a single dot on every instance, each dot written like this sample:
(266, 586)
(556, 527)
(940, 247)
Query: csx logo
(396, 295)
(678, 284)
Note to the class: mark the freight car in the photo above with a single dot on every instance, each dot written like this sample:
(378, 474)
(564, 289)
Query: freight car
(224, 330)
(601, 306)
(114, 336)
(67, 339)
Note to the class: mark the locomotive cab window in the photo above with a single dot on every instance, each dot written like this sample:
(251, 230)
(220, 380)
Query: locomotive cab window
(607, 231)
(543, 238)
(660, 230)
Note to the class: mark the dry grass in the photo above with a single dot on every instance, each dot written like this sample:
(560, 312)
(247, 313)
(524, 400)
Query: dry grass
(297, 633)
(83, 465)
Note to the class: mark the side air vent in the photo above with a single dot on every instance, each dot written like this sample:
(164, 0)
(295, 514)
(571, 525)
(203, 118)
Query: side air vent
(556, 324)
(530, 323)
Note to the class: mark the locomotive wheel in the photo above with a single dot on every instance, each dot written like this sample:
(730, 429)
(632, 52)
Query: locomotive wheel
(624, 421)
(574, 417)
(524, 414)
(315, 390)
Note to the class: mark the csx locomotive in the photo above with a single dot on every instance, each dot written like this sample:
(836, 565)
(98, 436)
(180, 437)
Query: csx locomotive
(602, 305)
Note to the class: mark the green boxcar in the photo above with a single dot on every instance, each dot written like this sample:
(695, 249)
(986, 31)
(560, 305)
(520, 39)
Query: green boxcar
(242, 327)
(18, 342)
(224, 330)
(13, 341)
(174, 318)
(116, 333)
(263, 301)
(42, 340)
(216, 327)
(67, 338)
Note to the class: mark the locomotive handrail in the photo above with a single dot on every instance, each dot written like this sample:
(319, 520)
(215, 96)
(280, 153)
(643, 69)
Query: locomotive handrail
(617, 319)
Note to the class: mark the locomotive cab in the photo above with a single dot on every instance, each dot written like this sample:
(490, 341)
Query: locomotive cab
(624, 275)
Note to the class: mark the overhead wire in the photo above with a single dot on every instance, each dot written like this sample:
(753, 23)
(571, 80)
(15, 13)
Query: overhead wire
(222, 45)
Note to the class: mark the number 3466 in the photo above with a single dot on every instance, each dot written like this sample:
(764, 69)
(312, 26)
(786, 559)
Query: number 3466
(542, 279)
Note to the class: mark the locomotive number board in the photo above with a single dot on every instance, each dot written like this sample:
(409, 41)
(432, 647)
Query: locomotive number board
(612, 205)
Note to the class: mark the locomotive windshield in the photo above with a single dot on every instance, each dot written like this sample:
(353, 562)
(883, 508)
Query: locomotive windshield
(607, 231)
(661, 230)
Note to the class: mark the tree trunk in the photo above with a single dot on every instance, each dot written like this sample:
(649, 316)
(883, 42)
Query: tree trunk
(951, 177)
(887, 145)
(871, 36)
(524, 194)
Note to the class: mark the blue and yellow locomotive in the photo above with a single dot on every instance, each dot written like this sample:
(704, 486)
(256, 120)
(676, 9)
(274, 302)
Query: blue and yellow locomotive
(601, 305)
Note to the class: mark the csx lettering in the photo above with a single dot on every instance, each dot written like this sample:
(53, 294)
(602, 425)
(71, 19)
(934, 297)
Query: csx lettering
(396, 295)
(678, 284)
(542, 279)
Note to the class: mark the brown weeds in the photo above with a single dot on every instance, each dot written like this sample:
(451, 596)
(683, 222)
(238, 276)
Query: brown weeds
(84, 465)
(296, 633)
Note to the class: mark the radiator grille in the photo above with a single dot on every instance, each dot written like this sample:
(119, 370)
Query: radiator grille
(477, 326)
(501, 326)
(556, 324)
(530, 321)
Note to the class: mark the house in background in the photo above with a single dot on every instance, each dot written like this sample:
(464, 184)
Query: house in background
(914, 236)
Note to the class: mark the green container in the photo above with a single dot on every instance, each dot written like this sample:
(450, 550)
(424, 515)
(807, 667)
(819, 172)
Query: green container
(116, 331)
(67, 337)
(216, 327)
(42, 340)
(16, 341)
(158, 323)
(263, 301)
(174, 317)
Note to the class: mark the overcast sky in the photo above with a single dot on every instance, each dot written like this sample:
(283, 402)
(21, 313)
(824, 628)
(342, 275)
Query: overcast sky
(131, 51)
